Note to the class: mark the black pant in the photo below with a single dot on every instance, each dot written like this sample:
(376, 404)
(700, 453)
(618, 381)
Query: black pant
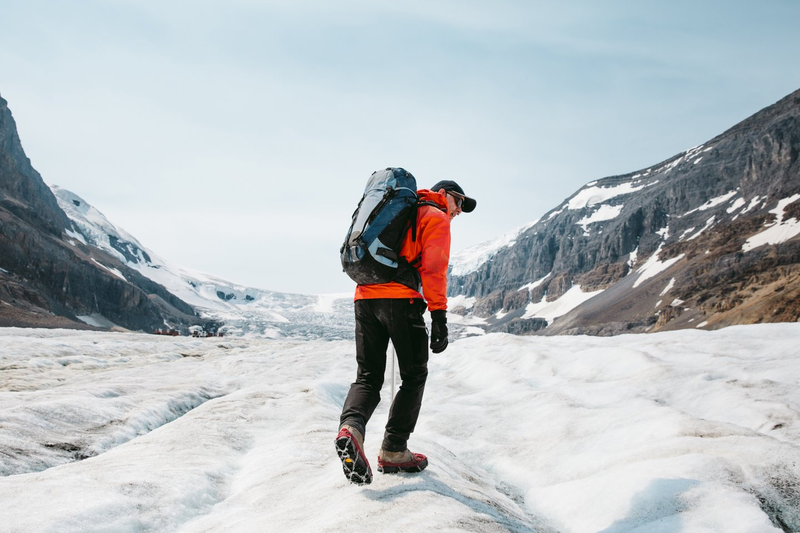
(378, 321)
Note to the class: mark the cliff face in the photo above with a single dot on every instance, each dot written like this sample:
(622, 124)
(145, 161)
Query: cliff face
(679, 244)
(47, 277)
(23, 193)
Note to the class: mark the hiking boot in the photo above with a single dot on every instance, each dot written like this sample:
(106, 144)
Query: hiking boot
(349, 445)
(405, 461)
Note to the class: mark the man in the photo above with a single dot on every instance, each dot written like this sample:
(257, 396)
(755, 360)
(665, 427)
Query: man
(394, 311)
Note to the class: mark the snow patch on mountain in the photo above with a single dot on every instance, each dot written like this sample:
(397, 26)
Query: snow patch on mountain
(563, 305)
(736, 205)
(714, 202)
(668, 288)
(590, 196)
(91, 223)
(605, 212)
(685, 157)
(654, 266)
(709, 223)
(530, 286)
(109, 269)
(779, 231)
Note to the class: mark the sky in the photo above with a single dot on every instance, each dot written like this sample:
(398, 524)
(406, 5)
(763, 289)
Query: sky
(236, 137)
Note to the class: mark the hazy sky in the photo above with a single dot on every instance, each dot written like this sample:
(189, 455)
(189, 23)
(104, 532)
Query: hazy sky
(236, 137)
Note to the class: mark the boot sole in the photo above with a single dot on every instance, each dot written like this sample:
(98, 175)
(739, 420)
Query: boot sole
(394, 469)
(355, 465)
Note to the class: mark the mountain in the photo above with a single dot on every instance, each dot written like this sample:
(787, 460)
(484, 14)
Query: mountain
(63, 264)
(707, 238)
(232, 308)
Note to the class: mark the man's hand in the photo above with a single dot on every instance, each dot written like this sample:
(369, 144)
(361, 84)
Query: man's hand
(438, 330)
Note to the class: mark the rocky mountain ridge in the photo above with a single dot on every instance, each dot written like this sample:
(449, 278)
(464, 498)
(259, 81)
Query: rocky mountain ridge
(706, 238)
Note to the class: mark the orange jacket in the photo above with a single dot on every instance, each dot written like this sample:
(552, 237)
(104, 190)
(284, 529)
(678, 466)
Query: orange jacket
(432, 246)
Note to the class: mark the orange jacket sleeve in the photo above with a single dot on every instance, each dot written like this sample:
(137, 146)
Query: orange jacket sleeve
(434, 236)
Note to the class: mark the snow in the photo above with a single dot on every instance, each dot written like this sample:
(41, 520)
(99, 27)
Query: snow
(779, 231)
(709, 223)
(653, 267)
(686, 156)
(668, 288)
(470, 259)
(461, 301)
(530, 286)
(681, 431)
(112, 270)
(590, 196)
(97, 320)
(75, 235)
(563, 305)
(325, 301)
(470, 323)
(736, 205)
(632, 257)
(89, 221)
(753, 203)
(556, 213)
(714, 202)
(605, 212)
(471, 331)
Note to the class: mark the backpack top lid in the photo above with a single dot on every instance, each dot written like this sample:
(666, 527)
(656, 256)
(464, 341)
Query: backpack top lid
(391, 183)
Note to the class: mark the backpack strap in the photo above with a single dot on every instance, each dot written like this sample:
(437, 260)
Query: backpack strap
(417, 205)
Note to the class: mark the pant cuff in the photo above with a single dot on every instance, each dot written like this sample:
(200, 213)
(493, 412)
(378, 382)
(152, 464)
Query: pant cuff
(393, 446)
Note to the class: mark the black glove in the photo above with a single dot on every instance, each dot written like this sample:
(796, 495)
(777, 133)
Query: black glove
(438, 331)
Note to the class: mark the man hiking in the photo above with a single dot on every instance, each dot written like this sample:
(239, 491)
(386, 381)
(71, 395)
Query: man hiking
(394, 311)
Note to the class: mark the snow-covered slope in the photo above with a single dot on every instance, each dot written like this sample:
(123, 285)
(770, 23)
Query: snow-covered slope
(689, 431)
(244, 310)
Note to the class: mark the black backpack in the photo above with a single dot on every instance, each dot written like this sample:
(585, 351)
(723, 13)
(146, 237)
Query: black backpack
(371, 250)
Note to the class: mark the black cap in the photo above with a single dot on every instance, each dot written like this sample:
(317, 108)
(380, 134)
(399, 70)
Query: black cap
(468, 206)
